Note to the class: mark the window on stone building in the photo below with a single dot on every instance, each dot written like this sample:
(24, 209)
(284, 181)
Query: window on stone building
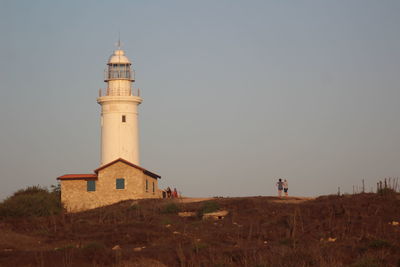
(147, 185)
(120, 183)
(123, 118)
(91, 186)
(154, 189)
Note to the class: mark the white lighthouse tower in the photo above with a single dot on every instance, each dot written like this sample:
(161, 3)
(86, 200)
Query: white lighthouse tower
(119, 112)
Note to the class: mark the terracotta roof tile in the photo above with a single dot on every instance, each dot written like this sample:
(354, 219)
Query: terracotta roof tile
(77, 176)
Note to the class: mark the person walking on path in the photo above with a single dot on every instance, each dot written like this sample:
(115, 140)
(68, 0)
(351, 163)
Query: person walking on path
(279, 184)
(285, 187)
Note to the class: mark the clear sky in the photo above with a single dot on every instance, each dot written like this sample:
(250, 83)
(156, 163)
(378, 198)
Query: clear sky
(236, 93)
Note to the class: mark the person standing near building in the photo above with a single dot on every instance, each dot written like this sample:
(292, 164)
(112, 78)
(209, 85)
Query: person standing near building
(279, 184)
(285, 187)
(169, 195)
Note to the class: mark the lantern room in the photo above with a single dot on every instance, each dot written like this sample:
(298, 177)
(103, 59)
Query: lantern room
(119, 67)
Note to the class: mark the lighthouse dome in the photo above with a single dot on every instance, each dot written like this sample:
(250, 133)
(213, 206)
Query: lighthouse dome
(119, 58)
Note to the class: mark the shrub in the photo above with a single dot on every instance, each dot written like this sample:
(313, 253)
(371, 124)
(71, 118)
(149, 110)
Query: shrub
(286, 242)
(366, 262)
(199, 246)
(210, 206)
(134, 207)
(94, 246)
(64, 247)
(386, 191)
(32, 201)
(165, 221)
(379, 243)
(170, 208)
(207, 207)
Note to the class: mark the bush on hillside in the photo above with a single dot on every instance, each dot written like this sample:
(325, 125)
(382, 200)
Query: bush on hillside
(207, 207)
(387, 192)
(32, 201)
(366, 262)
(379, 244)
(170, 208)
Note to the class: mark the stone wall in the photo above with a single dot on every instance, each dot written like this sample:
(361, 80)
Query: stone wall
(75, 196)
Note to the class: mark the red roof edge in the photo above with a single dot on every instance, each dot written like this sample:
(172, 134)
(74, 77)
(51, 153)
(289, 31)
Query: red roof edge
(156, 176)
(78, 176)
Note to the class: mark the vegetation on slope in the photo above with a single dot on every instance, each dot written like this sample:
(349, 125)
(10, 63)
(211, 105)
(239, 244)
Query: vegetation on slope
(32, 201)
(352, 230)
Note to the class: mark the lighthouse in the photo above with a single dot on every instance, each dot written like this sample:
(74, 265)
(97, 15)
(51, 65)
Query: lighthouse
(119, 111)
(119, 176)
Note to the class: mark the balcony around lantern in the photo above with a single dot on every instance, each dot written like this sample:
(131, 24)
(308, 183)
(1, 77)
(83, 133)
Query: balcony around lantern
(106, 92)
(115, 97)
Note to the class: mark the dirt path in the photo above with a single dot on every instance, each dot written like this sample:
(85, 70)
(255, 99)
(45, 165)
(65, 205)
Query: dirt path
(292, 200)
(289, 200)
(191, 200)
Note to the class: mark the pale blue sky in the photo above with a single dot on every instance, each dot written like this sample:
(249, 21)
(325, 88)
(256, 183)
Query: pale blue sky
(236, 93)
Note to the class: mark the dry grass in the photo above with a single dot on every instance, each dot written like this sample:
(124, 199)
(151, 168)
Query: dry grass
(259, 231)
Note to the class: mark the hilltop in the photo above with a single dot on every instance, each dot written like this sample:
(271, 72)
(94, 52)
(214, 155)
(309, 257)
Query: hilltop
(350, 230)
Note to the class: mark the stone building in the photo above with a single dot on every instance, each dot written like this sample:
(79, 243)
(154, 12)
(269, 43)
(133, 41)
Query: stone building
(116, 181)
(120, 176)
